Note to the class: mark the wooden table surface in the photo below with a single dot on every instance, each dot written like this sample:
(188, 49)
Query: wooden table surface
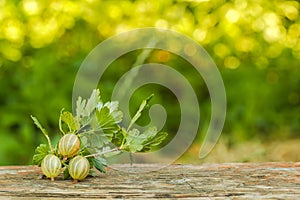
(207, 181)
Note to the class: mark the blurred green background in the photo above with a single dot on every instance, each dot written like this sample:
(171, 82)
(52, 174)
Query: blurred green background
(255, 44)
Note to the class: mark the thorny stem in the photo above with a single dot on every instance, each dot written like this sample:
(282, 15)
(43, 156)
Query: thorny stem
(103, 152)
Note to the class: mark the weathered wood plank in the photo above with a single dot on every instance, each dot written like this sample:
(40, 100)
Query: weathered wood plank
(208, 181)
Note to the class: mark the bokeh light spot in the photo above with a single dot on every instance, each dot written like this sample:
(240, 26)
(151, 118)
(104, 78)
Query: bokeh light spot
(232, 15)
(163, 56)
(271, 19)
(11, 53)
(199, 35)
(174, 45)
(221, 50)
(115, 12)
(273, 34)
(232, 62)
(161, 23)
(258, 25)
(13, 31)
(245, 44)
(31, 7)
(290, 9)
(190, 50)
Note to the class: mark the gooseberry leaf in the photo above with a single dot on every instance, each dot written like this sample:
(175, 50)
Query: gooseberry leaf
(119, 137)
(92, 173)
(37, 123)
(66, 174)
(99, 165)
(154, 141)
(92, 102)
(113, 110)
(134, 141)
(70, 121)
(84, 108)
(80, 105)
(40, 152)
(106, 122)
(142, 107)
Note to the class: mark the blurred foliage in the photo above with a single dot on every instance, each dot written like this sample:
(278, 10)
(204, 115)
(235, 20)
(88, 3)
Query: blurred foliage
(255, 44)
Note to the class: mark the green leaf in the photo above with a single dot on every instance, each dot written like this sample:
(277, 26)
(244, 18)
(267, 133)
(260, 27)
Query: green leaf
(40, 152)
(84, 151)
(91, 161)
(80, 105)
(70, 120)
(60, 125)
(66, 174)
(106, 122)
(99, 165)
(95, 140)
(142, 107)
(119, 137)
(37, 123)
(98, 122)
(85, 108)
(92, 102)
(134, 141)
(92, 173)
(155, 141)
(113, 110)
(149, 133)
(132, 135)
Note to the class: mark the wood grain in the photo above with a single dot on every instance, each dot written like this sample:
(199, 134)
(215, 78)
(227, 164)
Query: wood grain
(207, 181)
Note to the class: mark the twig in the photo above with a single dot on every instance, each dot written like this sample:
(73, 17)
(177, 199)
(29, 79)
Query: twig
(103, 152)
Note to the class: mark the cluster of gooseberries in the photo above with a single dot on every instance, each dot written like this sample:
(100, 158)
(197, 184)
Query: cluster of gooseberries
(68, 148)
(73, 154)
